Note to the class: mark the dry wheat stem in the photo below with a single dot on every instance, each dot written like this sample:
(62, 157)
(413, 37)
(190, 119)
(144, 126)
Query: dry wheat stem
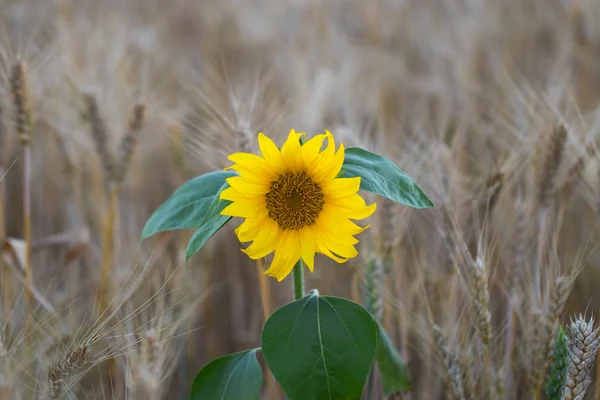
(5, 274)
(265, 290)
(3, 155)
(22, 116)
(266, 302)
(3, 141)
(107, 247)
(27, 222)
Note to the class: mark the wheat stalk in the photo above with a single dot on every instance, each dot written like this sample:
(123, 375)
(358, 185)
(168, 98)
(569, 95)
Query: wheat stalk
(558, 372)
(492, 189)
(478, 287)
(61, 372)
(22, 115)
(98, 131)
(583, 345)
(373, 302)
(6, 284)
(451, 364)
(3, 140)
(467, 365)
(129, 141)
(549, 325)
(554, 154)
(373, 296)
(575, 171)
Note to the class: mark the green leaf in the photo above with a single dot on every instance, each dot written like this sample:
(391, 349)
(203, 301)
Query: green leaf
(211, 224)
(394, 374)
(231, 377)
(187, 206)
(320, 348)
(381, 176)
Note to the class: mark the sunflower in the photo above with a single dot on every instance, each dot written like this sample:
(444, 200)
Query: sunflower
(294, 204)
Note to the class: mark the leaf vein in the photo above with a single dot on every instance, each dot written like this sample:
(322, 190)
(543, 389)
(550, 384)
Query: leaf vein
(233, 372)
(322, 352)
(295, 323)
(342, 321)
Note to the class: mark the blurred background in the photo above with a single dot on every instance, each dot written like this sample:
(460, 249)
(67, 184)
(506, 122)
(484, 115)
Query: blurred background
(108, 106)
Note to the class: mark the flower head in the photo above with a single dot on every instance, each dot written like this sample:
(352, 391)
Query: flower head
(294, 204)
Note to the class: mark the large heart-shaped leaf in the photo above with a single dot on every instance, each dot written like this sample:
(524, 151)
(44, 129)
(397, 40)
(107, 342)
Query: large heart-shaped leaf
(211, 224)
(381, 176)
(394, 374)
(187, 206)
(320, 347)
(231, 377)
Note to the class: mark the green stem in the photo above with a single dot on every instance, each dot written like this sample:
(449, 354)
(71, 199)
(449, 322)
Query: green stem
(299, 280)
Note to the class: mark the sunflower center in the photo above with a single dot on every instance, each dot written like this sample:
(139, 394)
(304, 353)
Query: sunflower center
(294, 201)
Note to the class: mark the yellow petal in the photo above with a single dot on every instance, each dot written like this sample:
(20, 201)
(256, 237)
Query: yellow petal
(324, 157)
(247, 235)
(329, 244)
(353, 207)
(290, 152)
(248, 230)
(270, 152)
(253, 222)
(287, 254)
(330, 216)
(327, 232)
(341, 187)
(336, 164)
(243, 209)
(307, 242)
(248, 174)
(265, 242)
(311, 151)
(329, 163)
(232, 194)
(327, 171)
(345, 251)
(329, 151)
(250, 188)
(322, 249)
(254, 163)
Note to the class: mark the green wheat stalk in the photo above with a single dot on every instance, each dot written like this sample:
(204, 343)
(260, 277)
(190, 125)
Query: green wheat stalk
(558, 370)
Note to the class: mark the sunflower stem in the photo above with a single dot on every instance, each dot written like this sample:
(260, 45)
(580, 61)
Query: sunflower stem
(299, 280)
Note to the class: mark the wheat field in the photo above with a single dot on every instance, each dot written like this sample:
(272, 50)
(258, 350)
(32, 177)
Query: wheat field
(106, 107)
